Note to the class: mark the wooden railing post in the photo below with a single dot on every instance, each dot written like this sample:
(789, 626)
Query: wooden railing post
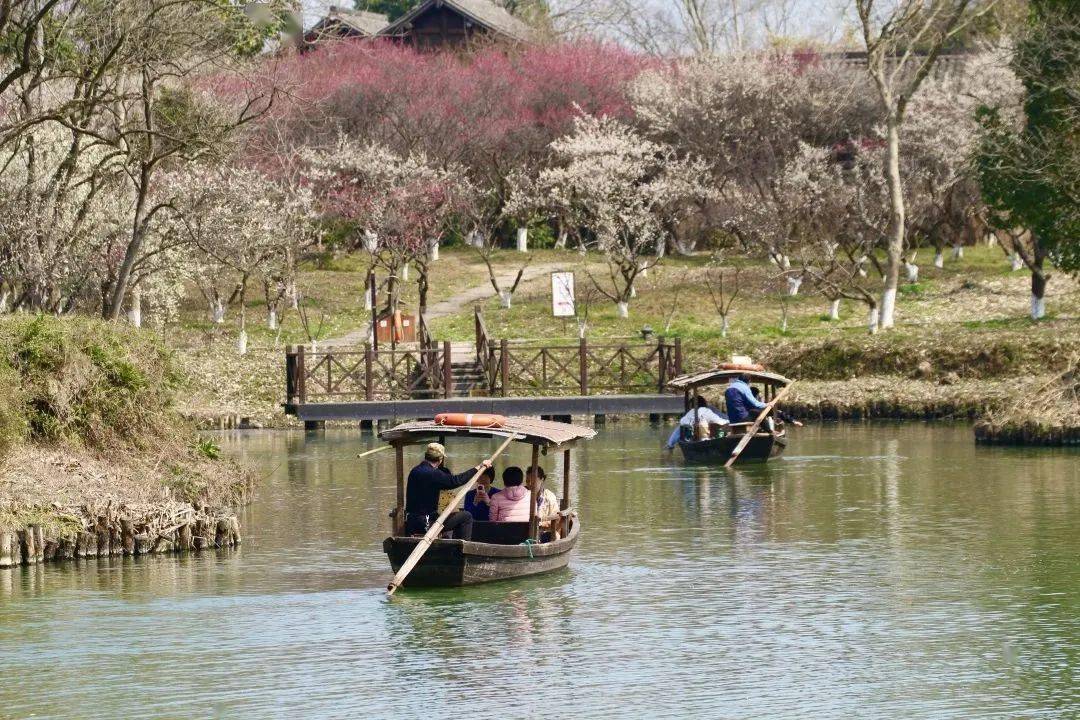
(290, 374)
(369, 382)
(678, 357)
(583, 365)
(504, 365)
(448, 370)
(301, 375)
(661, 361)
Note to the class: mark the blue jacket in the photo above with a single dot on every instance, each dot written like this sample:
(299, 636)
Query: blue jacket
(479, 511)
(741, 403)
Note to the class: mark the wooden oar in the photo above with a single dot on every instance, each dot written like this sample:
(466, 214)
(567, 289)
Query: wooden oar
(372, 452)
(753, 428)
(436, 527)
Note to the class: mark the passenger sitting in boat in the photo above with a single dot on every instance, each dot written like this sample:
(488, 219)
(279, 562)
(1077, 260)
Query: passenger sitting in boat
(422, 494)
(740, 401)
(785, 417)
(512, 503)
(478, 501)
(705, 414)
(547, 504)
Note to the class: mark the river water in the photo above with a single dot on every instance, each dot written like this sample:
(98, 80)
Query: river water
(878, 570)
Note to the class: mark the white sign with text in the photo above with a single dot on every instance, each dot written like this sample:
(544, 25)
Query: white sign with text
(562, 294)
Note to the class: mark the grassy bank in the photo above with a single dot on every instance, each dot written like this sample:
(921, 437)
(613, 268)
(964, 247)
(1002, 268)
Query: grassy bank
(963, 345)
(94, 456)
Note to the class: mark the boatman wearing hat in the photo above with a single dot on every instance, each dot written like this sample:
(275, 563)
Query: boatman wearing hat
(426, 480)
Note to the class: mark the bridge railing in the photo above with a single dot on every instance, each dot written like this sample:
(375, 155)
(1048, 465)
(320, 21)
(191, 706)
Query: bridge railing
(512, 369)
(583, 368)
(335, 375)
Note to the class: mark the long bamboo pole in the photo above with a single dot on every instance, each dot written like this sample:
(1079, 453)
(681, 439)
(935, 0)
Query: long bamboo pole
(436, 527)
(372, 452)
(753, 428)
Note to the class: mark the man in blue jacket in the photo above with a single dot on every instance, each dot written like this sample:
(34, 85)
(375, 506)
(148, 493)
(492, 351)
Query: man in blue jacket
(426, 480)
(741, 404)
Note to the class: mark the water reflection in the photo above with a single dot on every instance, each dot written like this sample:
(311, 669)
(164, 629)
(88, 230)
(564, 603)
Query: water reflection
(875, 571)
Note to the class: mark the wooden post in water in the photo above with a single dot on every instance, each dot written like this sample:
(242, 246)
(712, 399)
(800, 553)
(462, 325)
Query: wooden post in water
(290, 374)
(448, 370)
(661, 372)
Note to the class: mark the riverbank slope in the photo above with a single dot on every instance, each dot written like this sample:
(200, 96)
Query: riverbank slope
(94, 457)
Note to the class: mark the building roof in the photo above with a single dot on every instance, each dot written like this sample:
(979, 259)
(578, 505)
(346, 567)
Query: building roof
(713, 377)
(530, 430)
(355, 22)
(482, 12)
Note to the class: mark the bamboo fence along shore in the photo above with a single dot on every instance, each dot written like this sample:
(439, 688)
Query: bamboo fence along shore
(87, 532)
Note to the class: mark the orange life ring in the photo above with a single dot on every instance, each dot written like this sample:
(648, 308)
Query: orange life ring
(470, 420)
(740, 366)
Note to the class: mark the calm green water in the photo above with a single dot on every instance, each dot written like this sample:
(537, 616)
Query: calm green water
(877, 571)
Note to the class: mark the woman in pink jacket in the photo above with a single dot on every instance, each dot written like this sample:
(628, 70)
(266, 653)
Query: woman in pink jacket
(512, 502)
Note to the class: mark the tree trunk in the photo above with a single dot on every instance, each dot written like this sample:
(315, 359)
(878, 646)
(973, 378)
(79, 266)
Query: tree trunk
(958, 252)
(723, 326)
(834, 309)
(872, 322)
(217, 311)
(135, 311)
(241, 341)
(1038, 281)
(793, 285)
(271, 319)
(939, 259)
(623, 309)
(1017, 261)
(912, 272)
(523, 240)
(505, 298)
(894, 250)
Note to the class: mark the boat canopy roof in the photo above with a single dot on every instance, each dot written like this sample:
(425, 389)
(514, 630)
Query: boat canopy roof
(714, 377)
(530, 430)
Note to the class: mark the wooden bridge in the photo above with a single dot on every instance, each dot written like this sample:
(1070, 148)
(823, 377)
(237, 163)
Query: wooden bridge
(554, 378)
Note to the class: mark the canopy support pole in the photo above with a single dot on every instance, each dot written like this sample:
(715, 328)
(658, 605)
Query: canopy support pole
(399, 511)
(565, 504)
(534, 524)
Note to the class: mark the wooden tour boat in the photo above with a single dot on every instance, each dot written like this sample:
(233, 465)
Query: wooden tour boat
(497, 550)
(769, 436)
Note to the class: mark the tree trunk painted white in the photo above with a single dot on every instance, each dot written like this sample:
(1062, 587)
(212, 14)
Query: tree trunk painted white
(860, 265)
(895, 246)
(939, 259)
(581, 328)
(241, 342)
(314, 346)
(135, 311)
(834, 309)
(1038, 307)
(872, 321)
(785, 262)
(661, 246)
(991, 239)
(912, 272)
(523, 240)
(887, 316)
(4, 301)
(623, 309)
(271, 319)
(633, 291)
(217, 312)
(435, 249)
(293, 293)
(957, 252)
(1017, 262)
(405, 272)
(793, 285)
(582, 249)
(560, 242)
(371, 241)
(783, 324)
(723, 326)
(505, 298)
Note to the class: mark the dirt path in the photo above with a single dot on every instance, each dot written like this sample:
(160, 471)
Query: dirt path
(462, 300)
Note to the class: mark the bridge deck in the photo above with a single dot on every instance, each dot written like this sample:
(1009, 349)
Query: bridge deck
(566, 405)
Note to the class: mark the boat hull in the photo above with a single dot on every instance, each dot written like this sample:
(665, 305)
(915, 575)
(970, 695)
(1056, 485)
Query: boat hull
(453, 563)
(762, 447)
